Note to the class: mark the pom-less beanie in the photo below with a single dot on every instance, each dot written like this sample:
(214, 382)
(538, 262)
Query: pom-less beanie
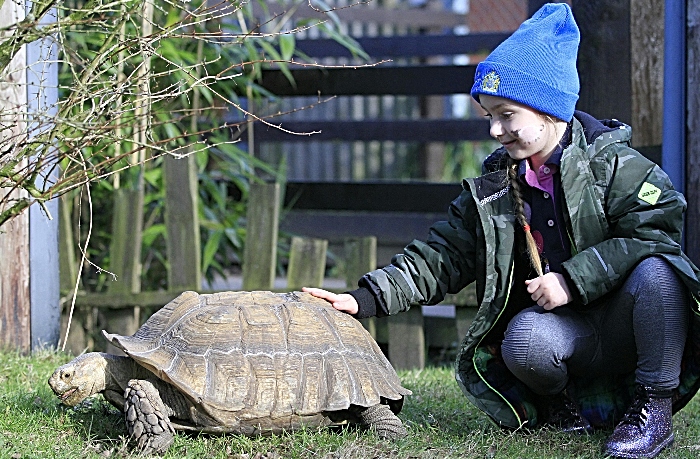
(536, 66)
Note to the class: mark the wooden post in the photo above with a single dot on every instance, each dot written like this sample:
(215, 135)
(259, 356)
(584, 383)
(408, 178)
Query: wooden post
(15, 326)
(66, 248)
(604, 58)
(182, 223)
(433, 153)
(407, 340)
(647, 73)
(692, 169)
(260, 252)
(464, 315)
(307, 263)
(181, 210)
(622, 46)
(361, 258)
(125, 254)
(81, 320)
(14, 284)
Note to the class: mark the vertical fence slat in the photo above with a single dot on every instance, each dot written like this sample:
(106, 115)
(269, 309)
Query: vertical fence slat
(260, 252)
(78, 338)
(182, 223)
(407, 339)
(464, 315)
(307, 263)
(125, 260)
(15, 297)
(361, 258)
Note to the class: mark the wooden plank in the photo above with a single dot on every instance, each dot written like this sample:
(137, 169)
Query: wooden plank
(647, 71)
(125, 248)
(604, 58)
(15, 296)
(411, 197)
(82, 318)
(407, 340)
(360, 258)
(260, 252)
(125, 300)
(692, 167)
(14, 284)
(182, 223)
(161, 297)
(463, 319)
(380, 80)
(395, 228)
(125, 260)
(438, 130)
(534, 5)
(307, 263)
(68, 265)
(418, 18)
(406, 45)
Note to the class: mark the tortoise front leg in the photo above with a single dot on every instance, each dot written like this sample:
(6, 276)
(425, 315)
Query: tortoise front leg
(384, 421)
(146, 417)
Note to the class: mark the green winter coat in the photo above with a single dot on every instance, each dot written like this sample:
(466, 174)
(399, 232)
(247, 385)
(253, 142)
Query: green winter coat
(620, 208)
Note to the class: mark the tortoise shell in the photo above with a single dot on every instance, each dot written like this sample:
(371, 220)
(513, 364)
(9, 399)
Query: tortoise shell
(262, 361)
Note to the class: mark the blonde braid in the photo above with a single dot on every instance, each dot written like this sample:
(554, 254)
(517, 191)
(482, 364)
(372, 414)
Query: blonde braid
(532, 250)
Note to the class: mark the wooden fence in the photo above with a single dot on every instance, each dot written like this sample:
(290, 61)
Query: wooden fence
(124, 306)
(404, 336)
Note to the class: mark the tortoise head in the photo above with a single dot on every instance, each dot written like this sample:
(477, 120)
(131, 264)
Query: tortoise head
(80, 378)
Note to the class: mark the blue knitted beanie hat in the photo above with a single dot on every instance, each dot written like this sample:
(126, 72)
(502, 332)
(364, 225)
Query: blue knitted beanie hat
(536, 66)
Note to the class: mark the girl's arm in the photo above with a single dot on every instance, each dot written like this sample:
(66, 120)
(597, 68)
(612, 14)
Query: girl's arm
(426, 271)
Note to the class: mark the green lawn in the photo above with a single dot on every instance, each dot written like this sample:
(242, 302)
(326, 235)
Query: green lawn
(440, 421)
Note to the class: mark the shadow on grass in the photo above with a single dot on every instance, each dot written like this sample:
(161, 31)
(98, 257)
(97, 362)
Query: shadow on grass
(96, 419)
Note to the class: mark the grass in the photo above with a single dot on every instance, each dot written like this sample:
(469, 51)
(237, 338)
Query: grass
(440, 421)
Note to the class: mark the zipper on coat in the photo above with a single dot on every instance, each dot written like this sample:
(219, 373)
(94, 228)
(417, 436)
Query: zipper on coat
(510, 287)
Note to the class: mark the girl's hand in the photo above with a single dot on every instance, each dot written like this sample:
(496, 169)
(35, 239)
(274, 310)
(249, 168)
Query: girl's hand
(549, 291)
(342, 302)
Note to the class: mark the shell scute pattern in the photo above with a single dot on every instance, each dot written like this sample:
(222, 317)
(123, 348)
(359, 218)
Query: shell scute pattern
(263, 357)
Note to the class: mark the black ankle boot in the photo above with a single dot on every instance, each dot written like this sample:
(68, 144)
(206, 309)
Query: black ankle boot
(562, 411)
(646, 428)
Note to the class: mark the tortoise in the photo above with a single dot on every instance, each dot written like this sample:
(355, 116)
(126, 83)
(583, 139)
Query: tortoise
(243, 362)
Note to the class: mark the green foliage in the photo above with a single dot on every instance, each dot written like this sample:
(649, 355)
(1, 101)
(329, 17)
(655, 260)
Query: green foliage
(464, 159)
(441, 423)
(205, 64)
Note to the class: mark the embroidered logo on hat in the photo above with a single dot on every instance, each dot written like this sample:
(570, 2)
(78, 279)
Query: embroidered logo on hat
(490, 82)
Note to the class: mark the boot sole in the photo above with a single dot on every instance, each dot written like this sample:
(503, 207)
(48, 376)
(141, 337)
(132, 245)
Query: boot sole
(650, 455)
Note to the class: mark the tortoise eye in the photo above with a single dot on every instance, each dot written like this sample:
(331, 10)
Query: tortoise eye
(66, 375)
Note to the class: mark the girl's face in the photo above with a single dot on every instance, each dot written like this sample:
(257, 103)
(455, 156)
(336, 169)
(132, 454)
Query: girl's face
(523, 131)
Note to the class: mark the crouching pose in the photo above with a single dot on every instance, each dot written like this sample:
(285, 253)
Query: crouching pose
(587, 305)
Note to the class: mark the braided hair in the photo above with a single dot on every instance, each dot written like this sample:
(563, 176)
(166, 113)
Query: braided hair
(532, 249)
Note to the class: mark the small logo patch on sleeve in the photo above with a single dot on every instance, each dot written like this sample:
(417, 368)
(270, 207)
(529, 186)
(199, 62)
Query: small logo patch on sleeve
(649, 193)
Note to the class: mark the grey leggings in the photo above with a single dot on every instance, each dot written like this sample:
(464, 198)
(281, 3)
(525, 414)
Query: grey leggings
(641, 327)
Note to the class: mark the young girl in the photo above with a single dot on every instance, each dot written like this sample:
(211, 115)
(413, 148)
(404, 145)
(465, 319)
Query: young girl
(587, 313)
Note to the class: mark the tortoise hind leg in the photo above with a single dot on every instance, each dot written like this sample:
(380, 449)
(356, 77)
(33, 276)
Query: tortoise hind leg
(146, 417)
(384, 421)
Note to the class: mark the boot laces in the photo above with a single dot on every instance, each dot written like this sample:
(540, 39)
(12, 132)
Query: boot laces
(637, 414)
